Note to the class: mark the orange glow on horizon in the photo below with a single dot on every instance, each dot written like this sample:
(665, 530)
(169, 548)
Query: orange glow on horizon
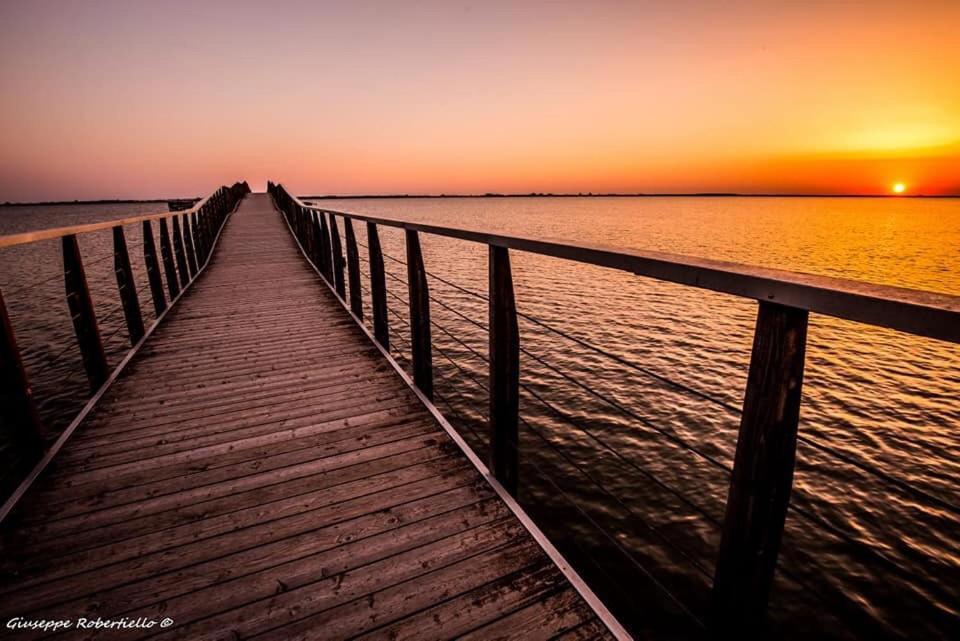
(899, 188)
(437, 97)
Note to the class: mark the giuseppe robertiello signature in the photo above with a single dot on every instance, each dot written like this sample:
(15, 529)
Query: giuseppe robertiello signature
(83, 623)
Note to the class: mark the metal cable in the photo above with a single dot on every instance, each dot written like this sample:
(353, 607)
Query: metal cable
(892, 480)
(677, 440)
(585, 344)
(617, 545)
(607, 492)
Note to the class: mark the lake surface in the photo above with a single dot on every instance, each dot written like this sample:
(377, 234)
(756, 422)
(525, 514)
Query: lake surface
(603, 471)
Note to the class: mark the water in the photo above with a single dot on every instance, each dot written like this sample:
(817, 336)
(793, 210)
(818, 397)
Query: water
(616, 495)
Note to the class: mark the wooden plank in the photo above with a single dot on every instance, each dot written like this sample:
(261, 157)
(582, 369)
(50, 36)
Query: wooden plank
(394, 528)
(762, 472)
(145, 557)
(489, 602)
(543, 620)
(390, 592)
(504, 401)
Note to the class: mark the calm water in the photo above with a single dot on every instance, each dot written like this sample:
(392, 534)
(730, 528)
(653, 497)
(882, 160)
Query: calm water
(863, 557)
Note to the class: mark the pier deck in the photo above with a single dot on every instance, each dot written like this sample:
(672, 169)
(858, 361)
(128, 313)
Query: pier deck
(261, 471)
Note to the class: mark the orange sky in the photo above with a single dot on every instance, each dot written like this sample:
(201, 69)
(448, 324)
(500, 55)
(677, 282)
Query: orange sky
(141, 99)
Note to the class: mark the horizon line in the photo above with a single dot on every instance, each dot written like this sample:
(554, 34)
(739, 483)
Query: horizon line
(532, 194)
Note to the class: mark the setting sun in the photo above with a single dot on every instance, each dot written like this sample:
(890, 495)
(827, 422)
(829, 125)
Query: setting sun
(899, 188)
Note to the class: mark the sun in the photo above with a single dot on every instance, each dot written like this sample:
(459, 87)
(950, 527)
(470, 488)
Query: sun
(899, 188)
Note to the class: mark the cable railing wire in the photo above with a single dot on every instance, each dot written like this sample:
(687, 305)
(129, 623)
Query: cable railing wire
(656, 582)
(570, 420)
(622, 361)
(876, 472)
(653, 530)
(633, 464)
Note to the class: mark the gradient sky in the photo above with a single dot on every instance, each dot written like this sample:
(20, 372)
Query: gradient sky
(142, 99)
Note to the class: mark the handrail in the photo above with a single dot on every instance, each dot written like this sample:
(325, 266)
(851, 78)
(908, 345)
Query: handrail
(11, 240)
(761, 478)
(924, 313)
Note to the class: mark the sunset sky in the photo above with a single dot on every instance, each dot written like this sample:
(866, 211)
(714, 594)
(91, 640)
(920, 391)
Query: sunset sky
(144, 99)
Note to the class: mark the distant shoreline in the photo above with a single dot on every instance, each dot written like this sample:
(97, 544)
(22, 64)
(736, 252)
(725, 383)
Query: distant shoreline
(489, 195)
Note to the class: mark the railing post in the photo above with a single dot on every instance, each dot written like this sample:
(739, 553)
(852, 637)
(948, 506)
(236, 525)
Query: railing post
(504, 352)
(204, 218)
(327, 262)
(153, 269)
(419, 297)
(166, 253)
(353, 269)
(378, 288)
(762, 472)
(318, 258)
(197, 238)
(81, 311)
(188, 241)
(338, 262)
(127, 286)
(20, 409)
(306, 231)
(179, 252)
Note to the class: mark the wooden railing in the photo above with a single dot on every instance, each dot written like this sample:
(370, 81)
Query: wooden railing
(186, 241)
(763, 466)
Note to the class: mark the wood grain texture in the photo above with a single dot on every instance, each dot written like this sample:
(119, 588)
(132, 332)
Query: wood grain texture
(260, 469)
(762, 472)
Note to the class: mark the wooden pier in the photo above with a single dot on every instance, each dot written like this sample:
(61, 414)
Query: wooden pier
(260, 470)
(259, 467)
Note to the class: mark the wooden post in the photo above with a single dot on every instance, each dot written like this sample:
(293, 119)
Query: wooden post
(419, 298)
(153, 269)
(306, 231)
(179, 252)
(81, 311)
(319, 256)
(203, 217)
(19, 407)
(762, 472)
(127, 286)
(166, 253)
(504, 352)
(338, 262)
(188, 241)
(353, 269)
(327, 267)
(378, 288)
(197, 239)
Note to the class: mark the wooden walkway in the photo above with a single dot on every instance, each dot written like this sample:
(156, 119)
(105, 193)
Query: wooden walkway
(260, 471)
